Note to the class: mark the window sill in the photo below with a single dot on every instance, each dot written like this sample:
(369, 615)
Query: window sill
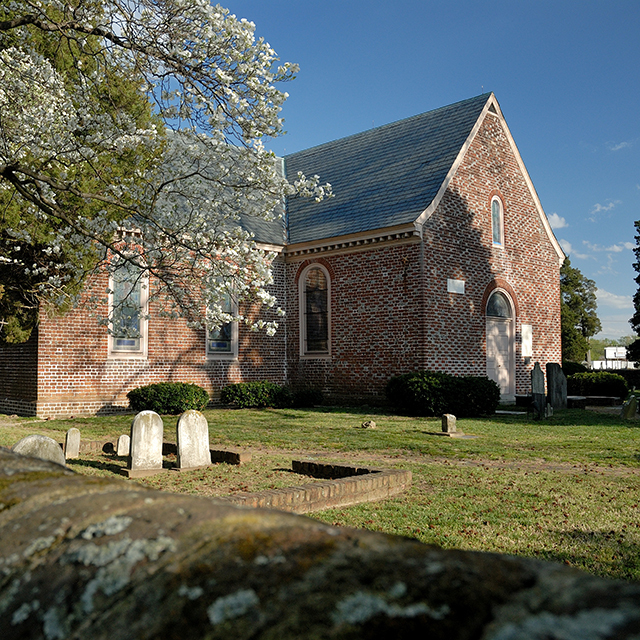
(125, 355)
(315, 356)
(213, 357)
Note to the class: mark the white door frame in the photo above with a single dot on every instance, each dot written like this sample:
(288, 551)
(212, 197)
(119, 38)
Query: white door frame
(507, 389)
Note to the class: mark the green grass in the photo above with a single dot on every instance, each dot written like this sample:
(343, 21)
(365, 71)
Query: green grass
(565, 489)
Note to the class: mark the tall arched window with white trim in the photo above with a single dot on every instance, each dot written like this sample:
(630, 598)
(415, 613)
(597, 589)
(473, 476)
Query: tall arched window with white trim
(315, 314)
(497, 221)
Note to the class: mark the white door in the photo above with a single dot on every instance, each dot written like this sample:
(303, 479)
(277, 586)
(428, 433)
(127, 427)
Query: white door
(500, 353)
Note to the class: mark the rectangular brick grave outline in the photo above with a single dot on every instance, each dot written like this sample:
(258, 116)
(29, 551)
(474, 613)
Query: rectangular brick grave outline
(347, 486)
(344, 485)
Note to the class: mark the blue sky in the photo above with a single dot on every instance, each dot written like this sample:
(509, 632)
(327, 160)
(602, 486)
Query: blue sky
(566, 74)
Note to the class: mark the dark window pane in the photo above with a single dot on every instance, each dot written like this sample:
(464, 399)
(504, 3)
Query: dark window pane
(317, 311)
(498, 306)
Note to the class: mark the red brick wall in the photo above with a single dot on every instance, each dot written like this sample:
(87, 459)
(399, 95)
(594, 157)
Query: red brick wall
(76, 375)
(458, 244)
(391, 312)
(18, 377)
(375, 322)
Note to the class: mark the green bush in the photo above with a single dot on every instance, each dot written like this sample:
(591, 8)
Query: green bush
(597, 383)
(246, 395)
(428, 393)
(168, 397)
(632, 376)
(307, 397)
(569, 368)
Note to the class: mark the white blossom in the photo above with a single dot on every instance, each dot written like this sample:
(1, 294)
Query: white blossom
(199, 163)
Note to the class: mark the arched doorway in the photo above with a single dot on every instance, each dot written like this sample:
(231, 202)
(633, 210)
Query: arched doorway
(500, 342)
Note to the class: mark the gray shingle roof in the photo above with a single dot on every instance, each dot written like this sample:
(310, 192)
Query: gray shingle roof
(382, 177)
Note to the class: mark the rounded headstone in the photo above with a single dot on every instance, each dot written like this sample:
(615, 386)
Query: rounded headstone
(43, 447)
(72, 444)
(193, 440)
(146, 441)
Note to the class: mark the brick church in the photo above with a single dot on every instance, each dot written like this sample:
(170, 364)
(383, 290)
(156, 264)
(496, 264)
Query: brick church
(435, 254)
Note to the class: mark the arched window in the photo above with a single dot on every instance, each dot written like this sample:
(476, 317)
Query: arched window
(498, 305)
(128, 309)
(497, 221)
(314, 310)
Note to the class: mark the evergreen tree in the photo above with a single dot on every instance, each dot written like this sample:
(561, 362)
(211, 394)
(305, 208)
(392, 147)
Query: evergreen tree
(633, 350)
(578, 312)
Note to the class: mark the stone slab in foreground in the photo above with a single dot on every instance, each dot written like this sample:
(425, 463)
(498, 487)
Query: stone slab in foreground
(89, 557)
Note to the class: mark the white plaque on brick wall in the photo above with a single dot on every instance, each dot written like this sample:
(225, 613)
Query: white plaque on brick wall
(455, 286)
(527, 340)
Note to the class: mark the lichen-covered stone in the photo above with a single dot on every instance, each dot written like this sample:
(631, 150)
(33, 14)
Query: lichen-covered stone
(85, 557)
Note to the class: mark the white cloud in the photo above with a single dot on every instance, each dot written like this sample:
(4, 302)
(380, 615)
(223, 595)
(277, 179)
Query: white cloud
(568, 249)
(608, 299)
(614, 248)
(620, 145)
(614, 326)
(599, 208)
(557, 222)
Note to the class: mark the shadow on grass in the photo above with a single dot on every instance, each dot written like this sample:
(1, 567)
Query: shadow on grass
(97, 464)
(601, 552)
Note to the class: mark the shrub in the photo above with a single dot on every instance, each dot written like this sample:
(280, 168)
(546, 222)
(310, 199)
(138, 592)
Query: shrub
(246, 395)
(168, 397)
(307, 397)
(597, 383)
(428, 393)
(569, 368)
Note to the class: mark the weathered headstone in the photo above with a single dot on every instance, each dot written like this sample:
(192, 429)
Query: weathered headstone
(537, 392)
(556, 386)
(449, 424)
(72, 444)
(193, 441)
(42, 447)
(145, 457)
(123, 447)
(629, 408)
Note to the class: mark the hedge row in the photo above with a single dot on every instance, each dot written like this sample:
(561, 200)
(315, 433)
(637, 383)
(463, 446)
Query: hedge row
(168, 397)
(428, 393)
(597, 383)
(262, 393)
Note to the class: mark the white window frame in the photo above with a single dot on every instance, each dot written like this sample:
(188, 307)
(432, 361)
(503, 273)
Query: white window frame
(302, 297)
(232, 354)
(118, 352)
(500, 234)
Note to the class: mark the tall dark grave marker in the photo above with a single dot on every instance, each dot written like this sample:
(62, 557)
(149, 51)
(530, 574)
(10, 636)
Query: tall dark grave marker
(556, 386)
(538, 393)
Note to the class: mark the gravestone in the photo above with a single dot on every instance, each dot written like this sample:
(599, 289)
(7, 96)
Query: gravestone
(123, 447)
(537, 392)
(629, 408)
(193, 441)
(145, 456)
(42, 447)
(556, 386)
(72, 444)
(449, 424)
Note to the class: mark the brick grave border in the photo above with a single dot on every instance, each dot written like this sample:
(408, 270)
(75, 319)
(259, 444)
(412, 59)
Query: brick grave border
(343, 485)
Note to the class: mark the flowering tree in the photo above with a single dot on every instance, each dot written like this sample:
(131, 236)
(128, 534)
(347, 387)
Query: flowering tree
(130, 133)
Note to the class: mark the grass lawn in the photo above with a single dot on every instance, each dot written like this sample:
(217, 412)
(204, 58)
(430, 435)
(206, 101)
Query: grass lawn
(564, 489)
